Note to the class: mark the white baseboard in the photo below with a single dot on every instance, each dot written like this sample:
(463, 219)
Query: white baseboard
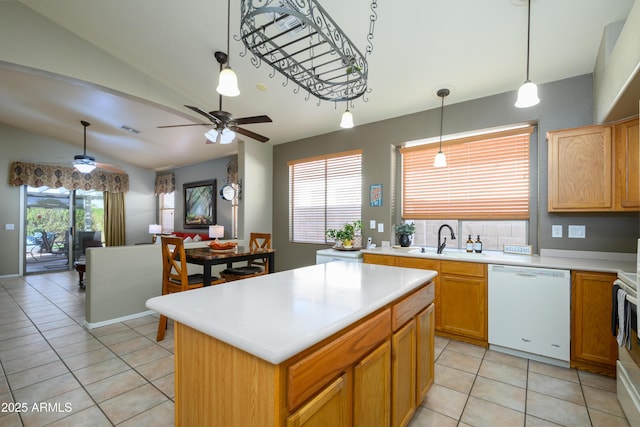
(117, 320)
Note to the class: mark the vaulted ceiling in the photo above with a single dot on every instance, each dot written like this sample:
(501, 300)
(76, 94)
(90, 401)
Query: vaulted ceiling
(136, 63)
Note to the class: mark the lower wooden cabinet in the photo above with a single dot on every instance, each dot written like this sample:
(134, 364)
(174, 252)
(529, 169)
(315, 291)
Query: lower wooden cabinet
(425, 322)
(330, 407)
(372, 388)
(403, 388)
(593, 346)
(463, 301)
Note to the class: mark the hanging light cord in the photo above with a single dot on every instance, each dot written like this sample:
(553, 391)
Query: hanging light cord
(441, 118)
(528, 34)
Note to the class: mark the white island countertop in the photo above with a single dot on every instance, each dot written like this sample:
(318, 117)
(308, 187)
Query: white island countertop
(276, 316)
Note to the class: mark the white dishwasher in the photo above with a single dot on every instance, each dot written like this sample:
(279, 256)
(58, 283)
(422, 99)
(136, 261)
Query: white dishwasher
(529, 312)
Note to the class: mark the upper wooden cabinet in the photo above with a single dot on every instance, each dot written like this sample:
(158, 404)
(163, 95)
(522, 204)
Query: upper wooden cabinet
(594, 168)
(627, 178)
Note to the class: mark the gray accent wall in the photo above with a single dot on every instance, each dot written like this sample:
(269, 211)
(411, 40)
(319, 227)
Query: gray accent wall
(564, 104)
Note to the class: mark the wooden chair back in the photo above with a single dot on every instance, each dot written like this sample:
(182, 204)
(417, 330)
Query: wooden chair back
(175, 277)
(260, 241)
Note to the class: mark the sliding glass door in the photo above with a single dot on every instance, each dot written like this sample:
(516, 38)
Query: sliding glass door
(59, 226)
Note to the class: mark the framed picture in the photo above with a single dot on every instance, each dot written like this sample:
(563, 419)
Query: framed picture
(375, 195)
(199, 204)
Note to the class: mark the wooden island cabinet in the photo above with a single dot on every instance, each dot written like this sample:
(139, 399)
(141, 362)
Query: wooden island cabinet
(372, 372)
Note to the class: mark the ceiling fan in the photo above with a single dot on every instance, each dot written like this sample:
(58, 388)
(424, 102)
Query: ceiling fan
(86, 163)
(224, 125)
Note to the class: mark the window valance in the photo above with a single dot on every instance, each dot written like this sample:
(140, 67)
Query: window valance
(165, 183)
(38, 175)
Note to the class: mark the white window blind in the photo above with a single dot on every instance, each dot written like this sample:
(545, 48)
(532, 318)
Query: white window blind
(324, 192)
(487, 177)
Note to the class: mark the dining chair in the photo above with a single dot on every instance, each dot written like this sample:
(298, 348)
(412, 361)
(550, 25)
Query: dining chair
(256, 267)
(175, 277)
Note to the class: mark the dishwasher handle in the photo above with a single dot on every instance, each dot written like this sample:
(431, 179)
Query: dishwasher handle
(527, 272)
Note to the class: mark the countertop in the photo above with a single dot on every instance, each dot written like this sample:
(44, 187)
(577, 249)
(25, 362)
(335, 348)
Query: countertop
(566, 260)
(278, 315)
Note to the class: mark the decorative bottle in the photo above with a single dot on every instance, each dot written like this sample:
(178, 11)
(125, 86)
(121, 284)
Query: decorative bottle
(469, 244)
(477, 246)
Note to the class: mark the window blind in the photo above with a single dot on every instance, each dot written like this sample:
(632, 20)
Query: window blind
(487, 177)
(324, 192)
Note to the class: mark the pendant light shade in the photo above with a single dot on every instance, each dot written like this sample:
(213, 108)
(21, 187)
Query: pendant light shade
(527, 95)
(528, 92)
(440, 160)
(227, 81)
(347, 119)
(84, 167)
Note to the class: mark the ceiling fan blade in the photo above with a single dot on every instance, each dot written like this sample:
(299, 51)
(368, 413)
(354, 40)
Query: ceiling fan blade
(250, 134)
(177, 126)
(110, 168)
(253, 119)
(214, 119)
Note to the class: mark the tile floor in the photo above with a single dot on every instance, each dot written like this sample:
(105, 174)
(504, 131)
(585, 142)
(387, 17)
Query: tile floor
(55, 372)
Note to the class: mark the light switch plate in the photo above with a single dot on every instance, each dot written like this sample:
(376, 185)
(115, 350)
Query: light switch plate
(577, 232)
(372, 224)
(9, 227)
(556, 231)
(380, 227)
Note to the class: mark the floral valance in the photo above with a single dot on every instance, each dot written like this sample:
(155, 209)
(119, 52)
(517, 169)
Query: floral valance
(165, 183)
(38, 175)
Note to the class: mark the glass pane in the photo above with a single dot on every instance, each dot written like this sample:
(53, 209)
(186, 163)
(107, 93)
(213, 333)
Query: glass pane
(47, 230)
(88, 222)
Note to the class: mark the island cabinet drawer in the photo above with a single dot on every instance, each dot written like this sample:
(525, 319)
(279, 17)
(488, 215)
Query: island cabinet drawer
(309, 375)
(407, 308)
(459, 268)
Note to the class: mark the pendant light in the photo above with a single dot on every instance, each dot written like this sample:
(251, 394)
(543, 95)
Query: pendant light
(528, 92)
(227, 81)
(347, 119)
(440, 160)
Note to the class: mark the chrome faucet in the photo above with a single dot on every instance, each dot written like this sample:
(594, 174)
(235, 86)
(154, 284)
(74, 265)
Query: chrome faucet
(442, 245)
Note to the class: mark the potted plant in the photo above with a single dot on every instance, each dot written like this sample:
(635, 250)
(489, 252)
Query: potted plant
(346, 235)
(404, 231)
(332, 234)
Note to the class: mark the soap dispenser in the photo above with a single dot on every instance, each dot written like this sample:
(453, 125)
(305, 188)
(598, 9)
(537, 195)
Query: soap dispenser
(477, 246)
(469, 244)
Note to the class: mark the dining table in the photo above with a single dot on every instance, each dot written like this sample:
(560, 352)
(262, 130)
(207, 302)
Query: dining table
(207, 257)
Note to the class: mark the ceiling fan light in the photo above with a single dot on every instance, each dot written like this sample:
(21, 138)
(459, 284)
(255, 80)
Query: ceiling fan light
(84, 166)
(347, 120)
(227, 136)
(527, 95)
(440, 160)
(228, 83)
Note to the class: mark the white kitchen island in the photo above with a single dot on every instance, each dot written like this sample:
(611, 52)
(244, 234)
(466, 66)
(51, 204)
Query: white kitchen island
(345, 343)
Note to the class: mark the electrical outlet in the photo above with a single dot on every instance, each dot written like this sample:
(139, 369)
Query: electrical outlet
(380, 227)
(9, 227)
(556, 231)
(372, 224)
(577, 232)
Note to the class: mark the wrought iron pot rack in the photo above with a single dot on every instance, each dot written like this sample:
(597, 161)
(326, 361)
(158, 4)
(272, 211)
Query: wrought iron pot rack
(302, 42)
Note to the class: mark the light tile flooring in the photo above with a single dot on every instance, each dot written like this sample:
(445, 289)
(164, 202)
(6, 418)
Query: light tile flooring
(55, 372)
